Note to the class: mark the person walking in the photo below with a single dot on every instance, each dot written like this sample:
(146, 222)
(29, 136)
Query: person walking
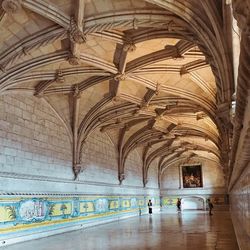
(178, 204)
(210, 206)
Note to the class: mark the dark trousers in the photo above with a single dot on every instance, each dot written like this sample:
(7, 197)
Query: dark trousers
(150, 210)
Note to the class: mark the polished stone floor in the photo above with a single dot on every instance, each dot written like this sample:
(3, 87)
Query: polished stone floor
(167, 230)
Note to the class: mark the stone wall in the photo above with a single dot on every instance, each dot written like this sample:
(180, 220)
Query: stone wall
(99, 159)
(240, 188)
(240, 209)
(239, 185)
(36, 175)
(133, 169)
(153, 174)
(32, 139)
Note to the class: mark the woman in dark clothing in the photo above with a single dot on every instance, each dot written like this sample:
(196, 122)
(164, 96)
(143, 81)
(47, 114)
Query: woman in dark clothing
(150, 205)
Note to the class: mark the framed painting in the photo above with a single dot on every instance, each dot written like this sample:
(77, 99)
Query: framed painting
(192, 176)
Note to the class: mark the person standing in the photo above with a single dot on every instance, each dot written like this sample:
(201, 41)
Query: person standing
(210, 206)
(150, 206)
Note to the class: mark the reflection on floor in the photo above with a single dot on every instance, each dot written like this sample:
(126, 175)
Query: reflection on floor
(166, 230)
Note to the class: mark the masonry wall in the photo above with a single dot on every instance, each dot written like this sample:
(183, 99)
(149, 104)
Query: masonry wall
(32, 139)
(38, 196)
(153, 174)
(240, 209)
(99, 156)
(240, 192)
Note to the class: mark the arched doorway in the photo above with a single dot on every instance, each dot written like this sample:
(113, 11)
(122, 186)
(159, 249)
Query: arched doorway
(193, 203)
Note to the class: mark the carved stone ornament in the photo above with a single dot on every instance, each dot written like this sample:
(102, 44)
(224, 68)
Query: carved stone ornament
(116, 99)
(77, 169)
(200, 116)
(12, 6)
(145, 181)
(121, 177)
(129, 46)
(135, 24)
(74, 60)
(120, 77)
(76, 91)
(76, 35)
(170, 25)
(59, 76)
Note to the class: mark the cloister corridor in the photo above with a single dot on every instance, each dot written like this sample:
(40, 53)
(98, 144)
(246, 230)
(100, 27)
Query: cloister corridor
(111, 108)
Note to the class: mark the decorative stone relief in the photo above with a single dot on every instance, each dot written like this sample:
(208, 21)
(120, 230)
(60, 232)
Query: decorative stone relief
(12, 6)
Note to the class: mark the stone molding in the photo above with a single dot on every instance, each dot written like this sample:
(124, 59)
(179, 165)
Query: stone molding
(62, 180)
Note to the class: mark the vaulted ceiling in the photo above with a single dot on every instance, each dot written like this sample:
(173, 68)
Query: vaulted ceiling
(154, 75)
